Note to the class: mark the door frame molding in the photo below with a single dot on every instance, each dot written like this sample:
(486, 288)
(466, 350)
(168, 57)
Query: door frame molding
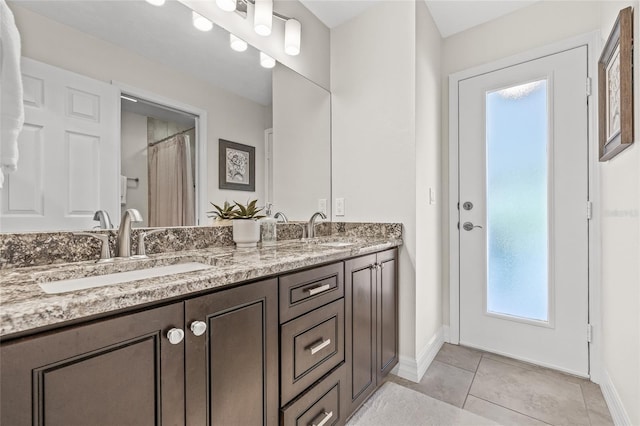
(201, 140)
(592, 41)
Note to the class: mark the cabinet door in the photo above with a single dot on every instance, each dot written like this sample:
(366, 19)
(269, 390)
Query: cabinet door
(232, 369)
(119, 371)
(360, 329)
(387, 313)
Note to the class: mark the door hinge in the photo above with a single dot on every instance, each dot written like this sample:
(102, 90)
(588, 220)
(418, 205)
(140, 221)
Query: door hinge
(589, 210)
(589, 333)
(588, 86)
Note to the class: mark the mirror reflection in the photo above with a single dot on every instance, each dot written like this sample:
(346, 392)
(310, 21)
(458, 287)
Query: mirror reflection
(157, 148)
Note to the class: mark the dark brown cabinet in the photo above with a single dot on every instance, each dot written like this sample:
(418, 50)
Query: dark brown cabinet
(120, 371)
(371, 323)
(232, 368)
(222, 369)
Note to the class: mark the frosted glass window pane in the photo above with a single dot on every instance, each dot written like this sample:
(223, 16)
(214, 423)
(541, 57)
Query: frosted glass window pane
(517, 219)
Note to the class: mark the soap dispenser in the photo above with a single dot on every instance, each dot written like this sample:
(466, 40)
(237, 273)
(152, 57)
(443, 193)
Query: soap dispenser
(268, 227)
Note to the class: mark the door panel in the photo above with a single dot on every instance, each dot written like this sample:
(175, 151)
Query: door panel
(69, 153)
(232, 369)
(524, 171)
(387, 301)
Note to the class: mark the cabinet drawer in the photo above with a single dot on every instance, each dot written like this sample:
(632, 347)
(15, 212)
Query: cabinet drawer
(311, 346)
(320, 403)
(305, 291)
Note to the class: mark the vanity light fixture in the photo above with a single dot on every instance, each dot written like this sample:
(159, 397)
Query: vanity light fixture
(156, 2)
(263, 17)
(267, 61)
(292, 29)
(226, 5)
(237, 44)
(200, 22)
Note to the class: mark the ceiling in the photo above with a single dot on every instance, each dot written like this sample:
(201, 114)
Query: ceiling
(162, 34)
(450, 16)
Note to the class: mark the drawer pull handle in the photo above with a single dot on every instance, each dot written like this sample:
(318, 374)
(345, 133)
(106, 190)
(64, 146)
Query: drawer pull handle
(325, 418)
(315, 290)
(319, 346)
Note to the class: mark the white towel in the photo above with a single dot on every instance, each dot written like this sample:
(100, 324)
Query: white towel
(123, 190)
(11, 107)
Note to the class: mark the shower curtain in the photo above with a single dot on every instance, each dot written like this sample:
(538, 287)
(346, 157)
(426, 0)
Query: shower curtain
(171, 191)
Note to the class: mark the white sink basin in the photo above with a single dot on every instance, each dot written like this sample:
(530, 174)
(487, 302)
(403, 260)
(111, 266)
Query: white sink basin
(64, 286)
(336, 244)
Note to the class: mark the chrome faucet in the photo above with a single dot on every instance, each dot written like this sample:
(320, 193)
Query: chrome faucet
(281, 215)
(103, 217)
(124, 231)
(311, 226)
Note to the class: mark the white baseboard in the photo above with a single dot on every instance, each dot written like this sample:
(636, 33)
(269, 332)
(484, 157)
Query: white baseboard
(413, 369)
(618, 413)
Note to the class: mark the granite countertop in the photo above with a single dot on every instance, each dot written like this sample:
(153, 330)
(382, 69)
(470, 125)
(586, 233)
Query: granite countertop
(25, 306)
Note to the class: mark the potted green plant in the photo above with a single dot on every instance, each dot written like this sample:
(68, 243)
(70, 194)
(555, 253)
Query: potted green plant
(246, 229)
(222, 215)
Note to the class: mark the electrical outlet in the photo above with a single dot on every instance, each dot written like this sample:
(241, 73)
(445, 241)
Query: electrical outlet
(322, 205)
(339, 206)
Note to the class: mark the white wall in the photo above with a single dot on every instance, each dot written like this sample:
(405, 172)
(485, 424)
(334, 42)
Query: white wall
(620, 221)
(373, 135)
(428, 177)
(133, 163)
(230, 117)
(386, 138)
(301, 151)
(538, 25)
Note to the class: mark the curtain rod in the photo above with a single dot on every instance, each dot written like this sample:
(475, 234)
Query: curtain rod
(169, 137)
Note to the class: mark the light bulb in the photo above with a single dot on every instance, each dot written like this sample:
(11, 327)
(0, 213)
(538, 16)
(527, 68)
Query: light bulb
(237, 43)
(201, 23)
(156, 2)
(292, 37)
(226, 5)
(263, 17)
(267, 61)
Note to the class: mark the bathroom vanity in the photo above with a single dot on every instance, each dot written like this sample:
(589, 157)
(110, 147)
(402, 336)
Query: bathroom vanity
(301, 333)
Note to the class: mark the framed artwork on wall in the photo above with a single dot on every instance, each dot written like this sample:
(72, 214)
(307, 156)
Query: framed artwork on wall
(615, 88)
(236, 166)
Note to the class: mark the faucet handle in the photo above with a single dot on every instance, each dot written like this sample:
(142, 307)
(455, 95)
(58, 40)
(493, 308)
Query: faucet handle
(105, 254)
(142, 251)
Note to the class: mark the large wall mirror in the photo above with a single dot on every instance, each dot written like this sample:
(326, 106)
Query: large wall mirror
(144, 104)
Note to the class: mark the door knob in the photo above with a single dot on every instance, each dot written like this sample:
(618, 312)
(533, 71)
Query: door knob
(175, 335)
(468, 226)
(198, 327)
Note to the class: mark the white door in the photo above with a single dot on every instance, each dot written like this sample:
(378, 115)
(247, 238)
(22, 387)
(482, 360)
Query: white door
(523, 200)
(69, 153)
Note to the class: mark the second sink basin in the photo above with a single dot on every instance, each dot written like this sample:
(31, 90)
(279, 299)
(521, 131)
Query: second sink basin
(64, 286)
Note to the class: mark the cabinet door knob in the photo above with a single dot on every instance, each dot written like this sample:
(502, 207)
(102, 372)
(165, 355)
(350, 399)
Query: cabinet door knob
(175, 335)
(198, 327)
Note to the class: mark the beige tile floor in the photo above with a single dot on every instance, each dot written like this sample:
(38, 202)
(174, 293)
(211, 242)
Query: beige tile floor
(510, 392)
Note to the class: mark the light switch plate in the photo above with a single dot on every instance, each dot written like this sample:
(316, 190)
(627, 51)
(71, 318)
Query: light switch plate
(322, 205)
(339, 206)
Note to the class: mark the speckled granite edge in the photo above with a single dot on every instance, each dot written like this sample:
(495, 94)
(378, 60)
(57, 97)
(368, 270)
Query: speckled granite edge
(50, 248)
(25, 306)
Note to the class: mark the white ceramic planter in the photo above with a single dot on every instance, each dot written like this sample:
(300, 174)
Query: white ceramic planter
(246, 233)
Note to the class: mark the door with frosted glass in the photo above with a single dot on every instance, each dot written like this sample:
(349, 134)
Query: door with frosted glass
(523, 224)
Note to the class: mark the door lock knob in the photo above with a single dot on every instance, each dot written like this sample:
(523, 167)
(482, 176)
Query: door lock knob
(468, 205)
(468, 226)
